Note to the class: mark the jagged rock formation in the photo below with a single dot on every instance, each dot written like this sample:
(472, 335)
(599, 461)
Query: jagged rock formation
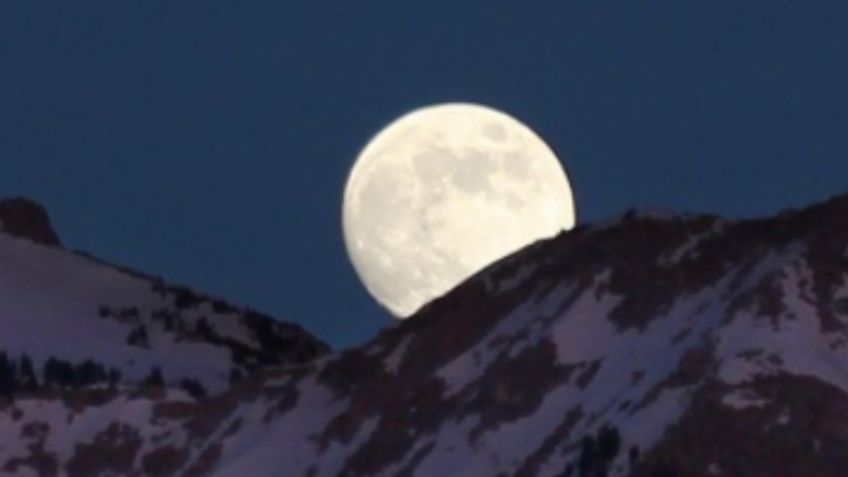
(650, 346)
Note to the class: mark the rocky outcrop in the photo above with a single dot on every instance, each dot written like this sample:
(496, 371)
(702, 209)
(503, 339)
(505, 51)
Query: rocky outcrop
(24, 218)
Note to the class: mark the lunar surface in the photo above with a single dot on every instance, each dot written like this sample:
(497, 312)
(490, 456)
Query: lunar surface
(444, 191)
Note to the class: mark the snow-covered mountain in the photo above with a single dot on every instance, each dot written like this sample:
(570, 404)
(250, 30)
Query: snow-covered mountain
(654, 345)
(92, 321)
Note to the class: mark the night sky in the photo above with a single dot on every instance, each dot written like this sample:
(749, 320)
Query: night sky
(208, 142)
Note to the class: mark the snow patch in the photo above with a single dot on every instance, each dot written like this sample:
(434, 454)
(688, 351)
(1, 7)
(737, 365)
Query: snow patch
(740, 399)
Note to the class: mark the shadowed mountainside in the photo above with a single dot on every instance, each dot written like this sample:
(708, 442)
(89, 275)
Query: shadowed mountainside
(654, 345)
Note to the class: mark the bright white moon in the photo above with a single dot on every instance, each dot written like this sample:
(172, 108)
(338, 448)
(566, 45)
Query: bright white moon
(444, 191)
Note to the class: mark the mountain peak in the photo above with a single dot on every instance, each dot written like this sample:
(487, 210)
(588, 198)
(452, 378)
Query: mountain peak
(24, 218)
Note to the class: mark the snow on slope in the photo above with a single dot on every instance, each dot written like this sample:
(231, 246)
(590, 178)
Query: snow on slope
(653, 346)
(508, 376)
(59, 304)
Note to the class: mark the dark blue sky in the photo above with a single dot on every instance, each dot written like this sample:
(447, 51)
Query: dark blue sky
(208, 142)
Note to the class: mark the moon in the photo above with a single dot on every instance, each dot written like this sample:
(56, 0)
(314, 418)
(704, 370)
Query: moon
(442, 192)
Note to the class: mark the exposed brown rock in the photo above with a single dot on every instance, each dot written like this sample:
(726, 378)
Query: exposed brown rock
(112, 451)
(206, 462)
(164, 461)
(585, 378)
(409, 469)
(174, 410)
(24, 218)
(43, 463)
(713, 438)
(696, 366)
(513, 388)
(559, 439)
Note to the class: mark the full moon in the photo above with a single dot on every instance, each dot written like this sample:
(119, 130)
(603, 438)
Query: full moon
(444, 191)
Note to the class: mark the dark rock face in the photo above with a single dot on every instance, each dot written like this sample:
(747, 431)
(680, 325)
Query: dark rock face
(798, 427)
(24, 218)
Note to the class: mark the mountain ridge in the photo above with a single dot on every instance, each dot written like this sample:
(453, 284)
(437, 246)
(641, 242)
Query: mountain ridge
(55, 300)
(652, 346)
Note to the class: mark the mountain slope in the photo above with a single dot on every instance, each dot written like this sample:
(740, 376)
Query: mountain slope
(651, 346)
(73, 308)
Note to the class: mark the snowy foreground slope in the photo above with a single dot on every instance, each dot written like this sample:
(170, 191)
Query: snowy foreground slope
(651, 346)
(95, 320)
